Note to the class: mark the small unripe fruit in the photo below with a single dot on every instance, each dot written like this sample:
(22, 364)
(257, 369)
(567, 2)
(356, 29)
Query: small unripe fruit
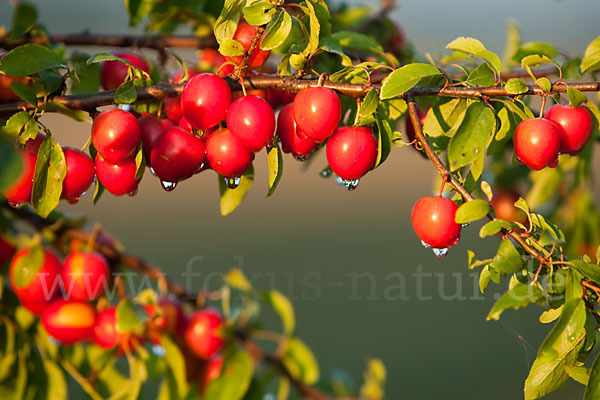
(433, 221)
(203, 333)
(227, 155)
(85, 274)
(537, 142)
(177, 155)
(299, 146)
(69, 321)
(151, 128)
(119, 178)
(80, 174)
(317, 111)
(204, 100)
(576, 124)
(20, 191)
(252, 121)
(35, 289)
(352, 151)
(113, 73)
(116, 134)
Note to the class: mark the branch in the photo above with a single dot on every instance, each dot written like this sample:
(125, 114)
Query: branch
(140, 41)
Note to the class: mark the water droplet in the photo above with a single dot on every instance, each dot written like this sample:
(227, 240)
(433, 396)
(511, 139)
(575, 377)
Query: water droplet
(152, 171)
(425, 244)
(232, 183)
(200, 168)
(83, 194)
(465, 225)
(571, 338)
(73, 200)
(301, 158)
(168, 186)
(476, 150)
(339, 181)
(132, 193)
(351, 185)
(440, 253)
(158, 350)
(326, 173)
(14, 205)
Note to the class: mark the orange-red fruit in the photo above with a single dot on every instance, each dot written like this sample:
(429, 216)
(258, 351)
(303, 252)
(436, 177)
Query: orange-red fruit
(352, 151)
(210, 371)
(299, 146)
(7, 250)
(317, 111)
(151, 128)
(204, 100)
(172, 108)
(80, 174)
(69, 321)
(85, 274)
(227, 155)
(113, 73)
(115, 134)
(576, 124)
(119, 179)
(171, 319)
(210, 60)
(33, 144)
(177, 155)
(503, 203)
(20, 191)
(105, 331)
(35, 289)
(244, 35)
(203, 333)
(433, 221)
(537, 142)
(252, 121)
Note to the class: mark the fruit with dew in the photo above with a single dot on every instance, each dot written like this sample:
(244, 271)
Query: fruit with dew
(537, 143)
(119, 178)
(80, 174)
(115, 134)
(177, 155)
(433, 219)
(205, 100)
(317, 112)
(226, 155)
(352, 151)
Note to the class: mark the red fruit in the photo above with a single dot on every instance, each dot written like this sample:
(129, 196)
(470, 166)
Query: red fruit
(7, 250)
(35, 289)
(210, 371)
(171, 319)
(113, 73)
(299, 145)
(80, 174)
(210, 60)
(317, 112)
(172, 108)
(351, 152)
(116, 134)
(503, 203)
(203, 334)
(69, 321)
(227, 155)
(177, 155)
(105, 331)
(20, 191)
(33, 144)
(177, 77)
(252, 121)
(278, 98)
(119, 179)
(433, 221)
(537, 142)
(205, 100)
(576, 124)
(85, 274)
(151, 128)
(185, 124)
(244, 35)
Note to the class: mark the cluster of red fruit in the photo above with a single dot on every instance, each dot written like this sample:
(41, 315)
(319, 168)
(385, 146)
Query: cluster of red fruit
(69, 315)
(564, 130)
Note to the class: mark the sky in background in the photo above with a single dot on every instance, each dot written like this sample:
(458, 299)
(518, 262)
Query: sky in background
(433, 348)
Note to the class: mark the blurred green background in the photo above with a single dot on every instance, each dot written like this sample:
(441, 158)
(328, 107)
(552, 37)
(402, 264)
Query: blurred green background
(312, 237)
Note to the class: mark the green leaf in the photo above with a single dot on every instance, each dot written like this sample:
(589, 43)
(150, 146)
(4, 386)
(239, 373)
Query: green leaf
(544, 83)
(516, 86)
(384, 140)
(512, 43)
(494, 227)
(231, 48)
(233, 383)
(445, 119)
(282, 305)
(334, 46)
(27, 267)
(472, 211)
(576, 97)
(176, 364)
(482, 76)
(544, 186)
(24, 92)
(535, 48)
(277, 30)
(138, 10)
(259, 12)
(126, 93)
(475, 48)
(76, 115)
(24, 18)
(505, 131)
(588, 270)
(301, 362)
(50, 171)
(51, 80)
(508, 259)
(368, 106)
(29, 59)
(356, 41)
(227, 22)
(11, 166)
(315, 29)
(375, 376)
(404, 78)
(518, 297)
(129, 316)
(7, 349)
(591, 57)
(592, 392)
(578, 373)
(472, 136)
(85, 78)
(236, 279)
(231, 198)
(275, 158)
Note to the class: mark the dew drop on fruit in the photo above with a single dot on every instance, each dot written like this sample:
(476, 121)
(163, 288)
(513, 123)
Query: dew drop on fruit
(14, 205)
(168, 186)
(269, 146)
(232, 183)
(351, 185)
(425, 244)
(158, 350)
(152, 171)
(440, 253)
(326, 173)
(73, 200)
(301, 158)
(465, 225)
(200, 168)
(132, 193)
